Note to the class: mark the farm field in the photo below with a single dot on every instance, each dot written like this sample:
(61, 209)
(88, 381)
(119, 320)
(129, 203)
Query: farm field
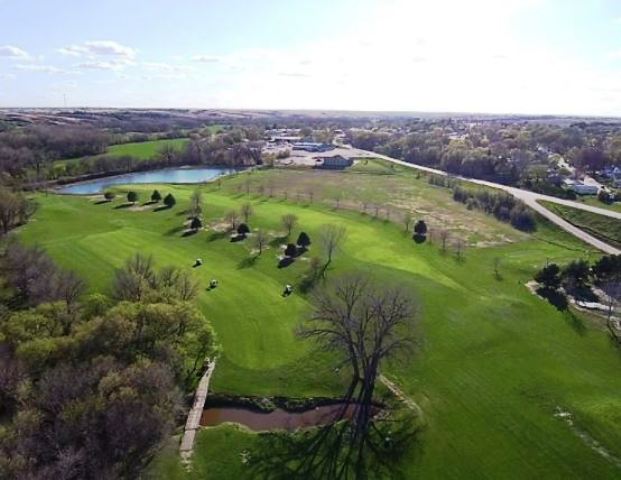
(605, 228)
(494, 365)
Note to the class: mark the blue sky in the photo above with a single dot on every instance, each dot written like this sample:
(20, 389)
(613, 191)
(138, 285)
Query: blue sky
(521, 56)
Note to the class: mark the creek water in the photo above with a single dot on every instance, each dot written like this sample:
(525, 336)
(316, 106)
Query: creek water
(277, 419)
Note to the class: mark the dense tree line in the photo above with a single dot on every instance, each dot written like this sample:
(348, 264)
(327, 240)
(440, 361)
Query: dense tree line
(35, 147)
(15, 209)
(504, 152)
(503, 206)
(90, 384)
(579, 278)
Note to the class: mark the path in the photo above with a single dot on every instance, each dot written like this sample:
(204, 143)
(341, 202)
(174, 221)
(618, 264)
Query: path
(397, 392)
(194, 417)
(531, 199)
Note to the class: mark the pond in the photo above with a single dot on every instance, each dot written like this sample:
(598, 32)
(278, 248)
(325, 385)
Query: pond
(166, 175)
(277, 419)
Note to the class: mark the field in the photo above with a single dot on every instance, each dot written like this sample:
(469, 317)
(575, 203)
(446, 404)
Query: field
(138, 150)
(494, 364)
(605, 228)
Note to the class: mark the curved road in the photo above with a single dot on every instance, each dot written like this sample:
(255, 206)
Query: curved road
(529, 198)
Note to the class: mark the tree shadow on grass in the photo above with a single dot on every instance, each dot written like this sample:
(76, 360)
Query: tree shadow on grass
(216, 236)
(161, 207)
(174, 230)
(575, 322)
(101, 202)
(150, 202)
(285, 262)
(124, 205)
(418, 238)
(238, 238)
(189, 233)
(278, 241)
(326, 453)
(247, 262)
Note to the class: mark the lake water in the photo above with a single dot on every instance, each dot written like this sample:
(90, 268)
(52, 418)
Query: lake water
(166, 175)
(278, 419)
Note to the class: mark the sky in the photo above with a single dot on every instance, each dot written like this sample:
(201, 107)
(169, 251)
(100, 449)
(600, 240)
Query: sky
(509, 56)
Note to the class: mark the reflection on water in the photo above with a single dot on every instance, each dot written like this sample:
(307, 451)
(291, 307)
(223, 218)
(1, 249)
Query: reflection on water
(167, 175)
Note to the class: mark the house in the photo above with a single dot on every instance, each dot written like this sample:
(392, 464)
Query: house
(579, 187)
(336, 162)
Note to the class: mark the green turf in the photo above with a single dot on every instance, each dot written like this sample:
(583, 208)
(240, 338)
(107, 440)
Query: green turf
(493, 361)
(138, 150)
(605, 228)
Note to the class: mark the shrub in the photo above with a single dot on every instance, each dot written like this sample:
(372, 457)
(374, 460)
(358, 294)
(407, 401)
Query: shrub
(604, 197)
(549, 276)
(420, 228)
(523, 219)
(109, 196)
(156, 196)
(196, 223)
(303, 240)
(243, 229)
(291, 250)
(169, 200)
(132, 197)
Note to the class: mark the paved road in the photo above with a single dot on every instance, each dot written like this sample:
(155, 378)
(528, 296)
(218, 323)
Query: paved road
(529, 198)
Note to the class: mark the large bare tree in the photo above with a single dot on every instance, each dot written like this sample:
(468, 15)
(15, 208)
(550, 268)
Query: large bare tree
(331, 239)
(365, 324)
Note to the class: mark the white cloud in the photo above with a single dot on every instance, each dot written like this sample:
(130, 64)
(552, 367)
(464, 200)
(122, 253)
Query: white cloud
(101, 65)
(7, 76)
(205, 59)
(13, 52)
(36, 67)
(99, 49)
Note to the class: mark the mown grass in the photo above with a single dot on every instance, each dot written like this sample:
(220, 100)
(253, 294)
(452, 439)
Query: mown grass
(492, 365)
(138, 150)
(605, 228)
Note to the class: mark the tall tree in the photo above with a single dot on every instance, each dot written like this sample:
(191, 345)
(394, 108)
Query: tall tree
(364, 324)
(289, 221)
(331, 238)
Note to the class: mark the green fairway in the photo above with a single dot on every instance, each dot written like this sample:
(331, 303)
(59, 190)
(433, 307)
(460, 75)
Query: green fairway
(605, 228)
(493, 362)
(138, 150)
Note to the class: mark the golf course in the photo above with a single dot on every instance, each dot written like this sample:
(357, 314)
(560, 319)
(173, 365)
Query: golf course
(507, 386)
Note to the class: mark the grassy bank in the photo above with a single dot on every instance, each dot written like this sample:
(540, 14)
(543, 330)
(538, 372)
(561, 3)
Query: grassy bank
(605, 228)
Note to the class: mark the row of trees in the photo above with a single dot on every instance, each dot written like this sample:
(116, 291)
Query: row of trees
(35, 147)
(91, 384)
(505, 152)
(503, 206)
(15, 209)
(579, 278)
